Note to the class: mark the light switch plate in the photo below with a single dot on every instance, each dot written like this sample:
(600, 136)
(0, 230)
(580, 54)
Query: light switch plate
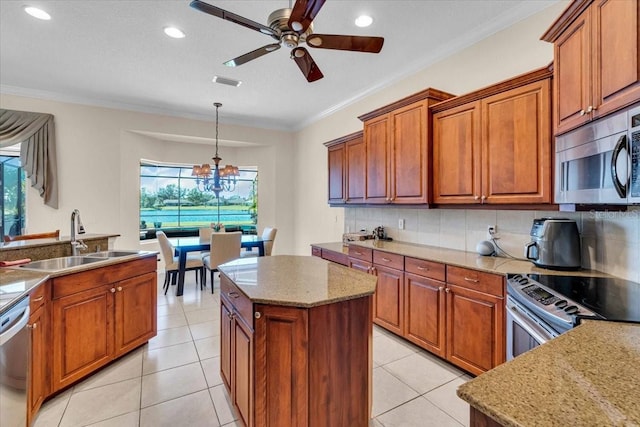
(401, 224)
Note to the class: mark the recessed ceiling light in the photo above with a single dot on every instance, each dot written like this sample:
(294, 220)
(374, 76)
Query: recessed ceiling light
(364, 20)
(226, 81)
(174, 32)
(37, 13)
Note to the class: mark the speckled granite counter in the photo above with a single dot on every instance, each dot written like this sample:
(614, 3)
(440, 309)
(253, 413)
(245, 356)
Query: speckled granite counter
(38, 249)
(489, 264)
(588, 376)
(299, 281)
(16, 283)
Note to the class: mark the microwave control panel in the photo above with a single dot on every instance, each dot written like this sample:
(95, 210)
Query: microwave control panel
(634, 179)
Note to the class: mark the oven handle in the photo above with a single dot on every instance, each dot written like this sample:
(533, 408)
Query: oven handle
(524, 320)
(620, 188)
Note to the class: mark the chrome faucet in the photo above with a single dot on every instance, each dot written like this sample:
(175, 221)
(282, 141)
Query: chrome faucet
(76, 228)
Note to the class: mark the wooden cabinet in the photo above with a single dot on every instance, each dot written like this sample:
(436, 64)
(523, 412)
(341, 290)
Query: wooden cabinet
(389, 296)
(100, 314)
(596, 60)
(346, 169)
(38, 325)
(493, 146)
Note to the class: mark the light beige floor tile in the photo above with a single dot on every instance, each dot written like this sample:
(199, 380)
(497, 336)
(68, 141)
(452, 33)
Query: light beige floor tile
(172, 383)
(125, 368)
(172, 308)
(417, 413)
(211, 369)
(387, 349)
(132, 419)
(223, 406)
(87, 407)
(200, 316)
(169, 357)
(375, 423)
(208, 347)
(205, 330)
(389, 392)
(422, 372)
(51, 412)
(191, 410)
(171, 321)
(167, 337)
(446, 399)
(233, 424)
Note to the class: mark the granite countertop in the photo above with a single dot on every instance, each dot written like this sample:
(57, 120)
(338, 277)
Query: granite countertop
(21, 244)
(299, 281)
(489, 264)
(585, 377)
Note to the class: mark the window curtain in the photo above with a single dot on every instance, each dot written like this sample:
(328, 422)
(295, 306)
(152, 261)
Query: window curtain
(36, 133)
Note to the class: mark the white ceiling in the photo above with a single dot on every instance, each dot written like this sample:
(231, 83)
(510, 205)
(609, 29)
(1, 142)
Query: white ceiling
(114, 53)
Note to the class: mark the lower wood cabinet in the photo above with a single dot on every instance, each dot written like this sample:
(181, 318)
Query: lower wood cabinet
(424, 311)
(38, 356)
(389, 296)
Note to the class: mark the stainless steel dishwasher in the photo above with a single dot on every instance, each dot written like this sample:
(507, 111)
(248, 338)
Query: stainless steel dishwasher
(14, 363)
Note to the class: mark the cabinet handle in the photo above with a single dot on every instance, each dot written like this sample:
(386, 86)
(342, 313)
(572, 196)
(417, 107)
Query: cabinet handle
(386, 260)
(468, 279)
(32, 326)
(358, 253)
(119, 288)
(112, 290)
(423, 268)
(233, 294)
(40, 298)
(257, 315)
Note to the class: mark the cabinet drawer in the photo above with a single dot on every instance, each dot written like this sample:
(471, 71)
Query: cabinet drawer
(38, 297)
(316, 251)
(337, 257)
(388, 260)
(364, 254)
(476, 280)
(421, 267)
(240, 302)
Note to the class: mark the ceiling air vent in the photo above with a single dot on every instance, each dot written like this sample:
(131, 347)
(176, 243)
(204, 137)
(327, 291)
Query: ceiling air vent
(226, 81)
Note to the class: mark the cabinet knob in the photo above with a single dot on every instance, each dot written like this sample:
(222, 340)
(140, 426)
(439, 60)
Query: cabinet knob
(233, 294)
(32, 326)
(483, 198)
(112, 290)
(446, 290)
(590, 108)
(476, 197)
(119, 288)
(583, 112)
(257, 315)
(441, 288)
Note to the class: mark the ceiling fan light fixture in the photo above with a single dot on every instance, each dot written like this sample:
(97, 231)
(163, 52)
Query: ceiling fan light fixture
(174, 33)
(315, 41)
(363, 21)
(37, 13)
(225, 80)
(296, 26)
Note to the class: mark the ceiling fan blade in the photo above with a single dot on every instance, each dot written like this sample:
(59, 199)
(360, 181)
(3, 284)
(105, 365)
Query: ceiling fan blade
(340, 42)
(229, 16)
(306, 64)
(242, 59)
(303, 13)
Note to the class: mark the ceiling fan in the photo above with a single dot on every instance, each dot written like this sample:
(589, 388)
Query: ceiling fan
(291, 27)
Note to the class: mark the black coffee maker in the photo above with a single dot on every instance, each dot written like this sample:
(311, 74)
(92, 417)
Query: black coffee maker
(380, 234)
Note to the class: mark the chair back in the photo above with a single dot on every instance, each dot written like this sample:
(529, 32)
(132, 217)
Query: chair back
(47, 235)
(205, 234)
(224, 247)
(166, 248)
(268, 236)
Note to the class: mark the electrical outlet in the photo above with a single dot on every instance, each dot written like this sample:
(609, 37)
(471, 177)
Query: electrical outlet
(401, 224)
(492, 231)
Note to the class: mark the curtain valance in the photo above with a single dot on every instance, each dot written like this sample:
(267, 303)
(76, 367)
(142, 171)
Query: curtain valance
(36, 133)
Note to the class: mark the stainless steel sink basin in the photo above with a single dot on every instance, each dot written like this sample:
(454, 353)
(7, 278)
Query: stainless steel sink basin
(55, 264)
(112, 254)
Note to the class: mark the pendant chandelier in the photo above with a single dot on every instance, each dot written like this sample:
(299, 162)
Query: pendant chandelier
(216, 180)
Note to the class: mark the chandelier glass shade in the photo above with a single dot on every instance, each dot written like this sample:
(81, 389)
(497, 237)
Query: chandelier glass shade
(215, 179)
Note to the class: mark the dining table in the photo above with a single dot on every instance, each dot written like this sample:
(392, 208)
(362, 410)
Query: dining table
(184, 245)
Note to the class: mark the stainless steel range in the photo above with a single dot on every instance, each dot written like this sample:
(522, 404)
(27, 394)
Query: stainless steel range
(541, 307)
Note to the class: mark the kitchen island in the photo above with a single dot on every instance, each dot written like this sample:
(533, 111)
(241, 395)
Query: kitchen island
(296, 341)
(585, 377)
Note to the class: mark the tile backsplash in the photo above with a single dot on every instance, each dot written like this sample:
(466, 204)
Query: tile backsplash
(610, 240)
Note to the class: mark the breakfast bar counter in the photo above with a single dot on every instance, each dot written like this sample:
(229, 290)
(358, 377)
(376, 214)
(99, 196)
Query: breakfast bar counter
(585, 377)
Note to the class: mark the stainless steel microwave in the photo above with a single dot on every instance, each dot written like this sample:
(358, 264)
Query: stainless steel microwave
(599, 163)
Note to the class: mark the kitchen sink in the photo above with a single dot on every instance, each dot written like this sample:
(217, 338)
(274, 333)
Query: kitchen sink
(55, 264)
(111, 254)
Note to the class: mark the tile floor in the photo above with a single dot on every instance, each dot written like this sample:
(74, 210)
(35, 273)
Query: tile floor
(174, 381)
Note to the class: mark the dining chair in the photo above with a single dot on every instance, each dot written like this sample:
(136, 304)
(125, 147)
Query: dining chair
(47, 235)
(268, 236)
(171, 263)
(204, 233)
(224, 247)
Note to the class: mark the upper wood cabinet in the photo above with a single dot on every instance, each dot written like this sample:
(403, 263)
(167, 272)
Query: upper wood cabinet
(346, 169)
(493, 146)
(397, 150)
(596, 60)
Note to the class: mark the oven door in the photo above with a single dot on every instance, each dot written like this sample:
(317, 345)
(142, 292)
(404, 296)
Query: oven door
(524, 329)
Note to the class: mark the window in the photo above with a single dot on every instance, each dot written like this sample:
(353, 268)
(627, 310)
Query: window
(171, 201)
(13, 184)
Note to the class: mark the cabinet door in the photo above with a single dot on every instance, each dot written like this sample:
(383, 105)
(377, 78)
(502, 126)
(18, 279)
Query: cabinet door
(336, 163)
(572, 72)
(356, 170)
(242, 370)
(38, 355)
(475, 329)
(135, 312)
(616, 47)
(388, 307)
(516, 145)
(378, 158)
(83, 334)
(409, 154)
(424, 310)
(225, 341)
(281, 369)
(456, 155)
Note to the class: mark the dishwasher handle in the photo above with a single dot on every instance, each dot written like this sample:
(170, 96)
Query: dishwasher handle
(18, 326)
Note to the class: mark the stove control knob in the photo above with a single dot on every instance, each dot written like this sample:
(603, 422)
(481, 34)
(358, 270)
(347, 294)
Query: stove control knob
(562, 303)
(523, 281)
(572, 309)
